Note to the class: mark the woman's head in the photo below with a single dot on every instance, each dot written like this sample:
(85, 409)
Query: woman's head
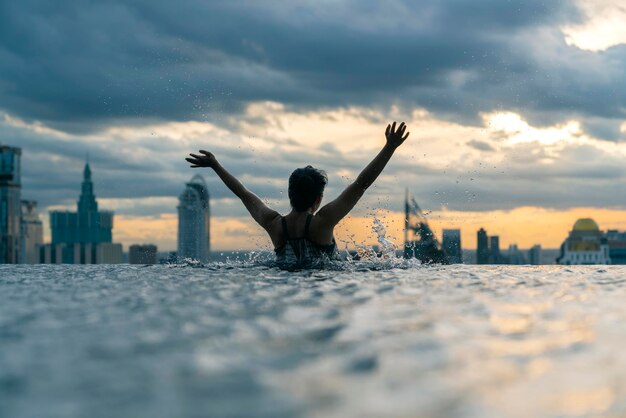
(306, 187)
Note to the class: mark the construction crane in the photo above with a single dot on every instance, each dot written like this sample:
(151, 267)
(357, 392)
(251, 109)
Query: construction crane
(423, 245)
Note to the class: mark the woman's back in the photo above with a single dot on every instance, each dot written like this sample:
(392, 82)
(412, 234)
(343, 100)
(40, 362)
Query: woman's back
(297, 249)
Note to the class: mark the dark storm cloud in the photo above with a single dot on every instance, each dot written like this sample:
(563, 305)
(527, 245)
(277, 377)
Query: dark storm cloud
(83, 65)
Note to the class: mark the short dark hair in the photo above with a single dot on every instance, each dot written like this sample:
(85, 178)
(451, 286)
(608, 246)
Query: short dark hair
(305, 186)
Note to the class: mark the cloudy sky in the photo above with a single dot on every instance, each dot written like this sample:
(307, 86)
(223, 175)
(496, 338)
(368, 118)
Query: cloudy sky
(517, 108)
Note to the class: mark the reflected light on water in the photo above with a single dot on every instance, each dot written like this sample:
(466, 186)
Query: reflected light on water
(368, 339)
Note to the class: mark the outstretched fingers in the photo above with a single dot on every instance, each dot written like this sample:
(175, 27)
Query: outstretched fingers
(405, 136)
(391, 129)
(195, 162)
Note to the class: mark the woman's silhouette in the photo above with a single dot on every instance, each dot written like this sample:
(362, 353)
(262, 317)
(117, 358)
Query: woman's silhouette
(305, 235)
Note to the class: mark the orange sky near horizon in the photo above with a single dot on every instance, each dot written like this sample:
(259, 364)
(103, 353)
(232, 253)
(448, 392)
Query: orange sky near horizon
(523, 226)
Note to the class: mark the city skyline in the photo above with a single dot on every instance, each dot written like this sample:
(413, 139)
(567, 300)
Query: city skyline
(389, 218)
(85, 236)
(505, 130)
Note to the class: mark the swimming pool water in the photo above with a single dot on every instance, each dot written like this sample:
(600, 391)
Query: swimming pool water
(252, 341)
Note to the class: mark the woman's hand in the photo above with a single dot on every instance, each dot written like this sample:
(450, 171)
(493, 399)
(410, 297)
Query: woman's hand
(396, 138)
(207, 159)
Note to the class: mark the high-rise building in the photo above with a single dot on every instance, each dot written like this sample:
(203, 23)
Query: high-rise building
(86, 226)
(451, 244)
(495, 257)
(534, 255)
(10, 204)
(142, 254)
(84, 236)
(482, 247)
(32, 233)
(194, 217)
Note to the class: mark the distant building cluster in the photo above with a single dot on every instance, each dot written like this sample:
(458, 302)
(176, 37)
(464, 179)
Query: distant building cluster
(488, 251)
(85, 236)
(587, 244)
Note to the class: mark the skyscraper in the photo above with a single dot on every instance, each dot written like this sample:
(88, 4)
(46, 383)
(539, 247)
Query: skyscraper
(482, 247)
(86, 226)
(494, 250)
(194, 217)
(451, 243)
(32, 233)
(10, 204)
(85, 236)
(534, 255)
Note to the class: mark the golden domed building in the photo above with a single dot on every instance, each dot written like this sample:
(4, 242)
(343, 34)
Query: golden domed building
(586, 225)
(586, 244)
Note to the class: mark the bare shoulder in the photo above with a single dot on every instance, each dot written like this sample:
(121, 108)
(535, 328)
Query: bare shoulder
(274, 229)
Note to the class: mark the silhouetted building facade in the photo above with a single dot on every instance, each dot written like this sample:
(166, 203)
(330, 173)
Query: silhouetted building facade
(31, 234)
(451, 244)
(84, 236)
(194, 216)
(534, 255)
(142, 254)
(10, 204)
(617, 246)
(495, 257)
(482, 247)
(87, 225)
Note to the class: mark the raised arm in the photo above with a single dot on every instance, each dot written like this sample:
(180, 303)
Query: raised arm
(336, 210)
(261, 213)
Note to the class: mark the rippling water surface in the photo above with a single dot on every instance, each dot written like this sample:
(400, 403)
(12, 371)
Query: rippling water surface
(177, 341)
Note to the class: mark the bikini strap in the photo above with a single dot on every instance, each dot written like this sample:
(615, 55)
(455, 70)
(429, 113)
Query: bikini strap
(307, 224)
(285, 228)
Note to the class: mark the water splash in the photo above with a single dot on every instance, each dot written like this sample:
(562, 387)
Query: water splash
(388, 248)
(384, 256)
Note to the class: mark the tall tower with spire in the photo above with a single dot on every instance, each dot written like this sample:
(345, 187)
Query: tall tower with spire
(79, 237)
(87, 201)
